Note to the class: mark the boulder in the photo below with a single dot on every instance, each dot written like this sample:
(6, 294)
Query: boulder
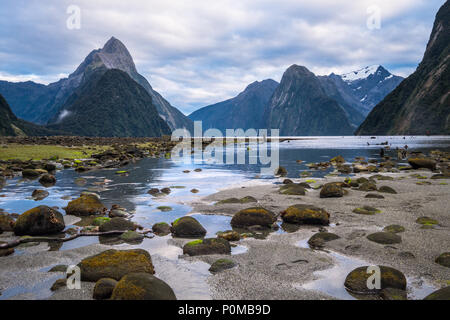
(207, 246)
(58, 284)
(222, 264)
(38, 194)
(187, 227)
(6, 222)
(132, 237)
(104, 288)
(30, 174)
(331, 190)
(427, 221)
(161, 228)
(39, 221)
(441, 294)
(281, 171)
(356, 281)
(368, 186)
(386, 189)
(444, 259)
(394, 228)
(293, 189)
(85, 205)
(115, 264)
(253, 216)
(47, 180)
(385, 238)
(142, 286)
(374, 196)
(426, 163)
(318, 240)
(119, 224)
(305, 214)
(393, 294)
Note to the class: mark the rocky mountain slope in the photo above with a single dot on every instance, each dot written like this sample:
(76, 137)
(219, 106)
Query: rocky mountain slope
(244, 111)
(421, 103)
(44, 104)
(300, 106)
(111, 104)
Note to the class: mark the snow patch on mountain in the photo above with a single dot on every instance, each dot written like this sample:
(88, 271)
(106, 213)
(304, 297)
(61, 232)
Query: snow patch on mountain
(360, 74)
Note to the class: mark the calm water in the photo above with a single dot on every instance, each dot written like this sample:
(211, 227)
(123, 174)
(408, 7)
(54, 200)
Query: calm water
(130, 191)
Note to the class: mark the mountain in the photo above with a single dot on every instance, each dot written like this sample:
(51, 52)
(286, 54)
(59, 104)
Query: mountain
(111, 104)
(300, 106)
(45, 104)
(244, 111)
(421, 103)
(10, 125)
(371, 84)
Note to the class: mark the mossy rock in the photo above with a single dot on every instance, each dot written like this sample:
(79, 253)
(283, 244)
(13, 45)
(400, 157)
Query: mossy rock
(118, 224)
(229, 235)
(161, 228)
(384, 238)
(195, 190)
(40, 220)
(367, 210)
(6, 252)
(132, 237)
(367, 186)
(427, 221)
(393, 294)
(80, 181)
(318, 240)
(292, 189)
(104, 288)
(387, 189)
(39, 195)
(440, 176)
(221, 265)
(281, 171)
(6, 222)
(115, 264)
(166, 190)
(100, 220)
(207, 246)
(338, 159)
(426, 163)
(331, 190)
(362, 180)
(253, 216)
(85, 205)
(305, 214)
(356, 281)
(444, 259)
(441, 294)
(187, 227)
(394, 228)
(30, 174)
(374, 196)
(47, 180)
(153, 191)
(383, 178)
(142, 286)
(287, 181)
(164, 208)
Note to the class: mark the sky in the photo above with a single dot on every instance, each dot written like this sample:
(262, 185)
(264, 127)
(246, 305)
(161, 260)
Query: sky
(200, 52)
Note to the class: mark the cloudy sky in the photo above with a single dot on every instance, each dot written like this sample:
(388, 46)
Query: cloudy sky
(200, 52)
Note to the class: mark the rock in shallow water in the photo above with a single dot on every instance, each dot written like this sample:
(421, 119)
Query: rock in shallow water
(85, 205)
(356, 281)
(305, 214)
(222, 264)
(117, 224)
(115, 264)
(253, 216)
(441, 294)
(187, 227)
(161, 228)
(318, 240)
(444, 259)
(207, 246)
(39, 221)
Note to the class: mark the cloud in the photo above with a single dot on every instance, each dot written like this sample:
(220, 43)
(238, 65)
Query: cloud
(200, 52)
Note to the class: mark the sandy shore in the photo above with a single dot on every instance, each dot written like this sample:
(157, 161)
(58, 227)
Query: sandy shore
(268, 270)
(281, 266)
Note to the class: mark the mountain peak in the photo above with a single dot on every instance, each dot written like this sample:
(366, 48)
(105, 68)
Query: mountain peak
(362, 73)
(267, 83)
(113, 45)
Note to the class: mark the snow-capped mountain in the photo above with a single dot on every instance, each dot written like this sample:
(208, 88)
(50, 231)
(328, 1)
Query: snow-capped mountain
(371, 84)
